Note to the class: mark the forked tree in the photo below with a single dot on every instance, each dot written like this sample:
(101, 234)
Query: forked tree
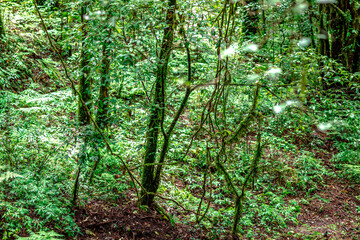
(149, 181)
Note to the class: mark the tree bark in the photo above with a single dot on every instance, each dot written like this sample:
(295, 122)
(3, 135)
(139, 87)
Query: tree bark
(157, 111)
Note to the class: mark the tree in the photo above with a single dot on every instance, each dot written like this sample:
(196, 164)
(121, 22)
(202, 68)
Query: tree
(102, 117)
(85, 81)
(2, 26)
(149, 181)
(85, 98)
(341, 41)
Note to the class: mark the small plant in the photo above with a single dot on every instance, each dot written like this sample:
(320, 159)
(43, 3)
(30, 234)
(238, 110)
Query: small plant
(310, 172)
(110, 185)
(43, 236)
(7, 175)
(348, 161)
(346, 157)
(351, 172)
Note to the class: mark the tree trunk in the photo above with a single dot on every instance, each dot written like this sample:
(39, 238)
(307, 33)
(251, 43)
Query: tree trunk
(157, 111)
(2, 25)
(102, 118)
(356, 58)
(341, 21)
(85, 82)
(311, 21)
(324, 44)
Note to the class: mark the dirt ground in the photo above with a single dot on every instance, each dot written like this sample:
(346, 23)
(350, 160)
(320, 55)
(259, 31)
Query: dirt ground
(99, 220)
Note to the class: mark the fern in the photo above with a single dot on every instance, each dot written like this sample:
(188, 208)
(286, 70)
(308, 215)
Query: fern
(7, 175)
(42, 236)
(352, 172)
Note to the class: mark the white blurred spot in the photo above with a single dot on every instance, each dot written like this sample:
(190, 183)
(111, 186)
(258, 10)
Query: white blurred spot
(322, 36)
(273, 73)
(229, 51)
(86, 17)
(326, 1)
(278, 108)
(251, 48)
(253, 77)
(304, 42)
(324, 126)
(300, 8)
(274, 2)
(281, 107)
(292, 103)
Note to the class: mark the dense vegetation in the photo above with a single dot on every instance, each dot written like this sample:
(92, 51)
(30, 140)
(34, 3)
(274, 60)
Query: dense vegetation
(174, 119)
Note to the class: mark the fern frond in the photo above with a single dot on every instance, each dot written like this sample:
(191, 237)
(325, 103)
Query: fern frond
(8, 175)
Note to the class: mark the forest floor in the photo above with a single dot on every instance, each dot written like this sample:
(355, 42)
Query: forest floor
(330, 212)
(100, 220)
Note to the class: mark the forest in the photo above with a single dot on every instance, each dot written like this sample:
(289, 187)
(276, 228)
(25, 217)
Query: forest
(196, 119)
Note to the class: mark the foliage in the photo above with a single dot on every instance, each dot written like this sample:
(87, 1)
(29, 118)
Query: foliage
(248, 104)
(45, 199)
(42, 235)
(348, 162)
(309, 172)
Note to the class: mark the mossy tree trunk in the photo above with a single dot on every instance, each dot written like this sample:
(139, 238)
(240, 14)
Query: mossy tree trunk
(85, 100)
(354, 62)
(2, 25)
(312, 29)
(102, 117)
(85, 82)
(157, 111)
